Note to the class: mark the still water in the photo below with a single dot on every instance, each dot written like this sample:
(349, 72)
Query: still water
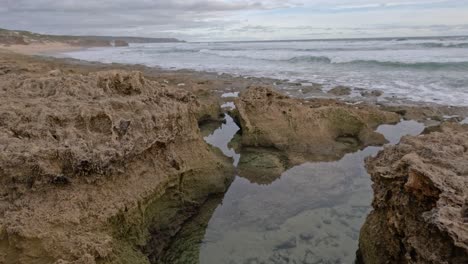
(312, 213)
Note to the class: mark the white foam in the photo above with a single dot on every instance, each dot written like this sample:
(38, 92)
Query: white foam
(229, 105)
(230, 95)
(276, 60)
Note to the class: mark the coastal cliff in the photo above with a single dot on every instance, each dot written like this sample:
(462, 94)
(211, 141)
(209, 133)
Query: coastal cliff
(98, 167)
(25, 38)
(420, 201)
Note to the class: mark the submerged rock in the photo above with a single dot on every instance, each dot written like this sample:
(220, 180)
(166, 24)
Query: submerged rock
(262, 166)
(371, 93)
(312, 88)
(290, 131)
(420, 198)
(93, 166)
(340, 91)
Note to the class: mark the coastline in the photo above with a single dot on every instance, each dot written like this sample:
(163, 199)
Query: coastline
(41, 48)
(97, 102)
(429, 113)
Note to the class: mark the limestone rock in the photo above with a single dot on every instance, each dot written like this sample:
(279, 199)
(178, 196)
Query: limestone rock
(92, 165)
(272, 120)
(420, 198)
(279, 132)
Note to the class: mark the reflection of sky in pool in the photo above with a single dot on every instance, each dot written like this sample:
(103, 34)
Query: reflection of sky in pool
(312, 212)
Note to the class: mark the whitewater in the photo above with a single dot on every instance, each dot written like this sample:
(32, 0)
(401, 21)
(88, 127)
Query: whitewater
(433, 70)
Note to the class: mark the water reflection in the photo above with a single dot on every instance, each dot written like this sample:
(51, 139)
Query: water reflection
(393, 133)
(221, 137)
(312, 214)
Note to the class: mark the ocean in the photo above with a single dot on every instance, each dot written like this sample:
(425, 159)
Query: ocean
(433, 70)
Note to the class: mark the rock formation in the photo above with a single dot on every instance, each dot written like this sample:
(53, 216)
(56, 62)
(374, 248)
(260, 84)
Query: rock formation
(120, 43)
(420, 201)
(291, 131)
(340, 91)
(100, 167)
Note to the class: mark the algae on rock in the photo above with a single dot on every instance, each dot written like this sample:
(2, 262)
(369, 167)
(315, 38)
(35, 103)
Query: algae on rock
(293, 131)
(101, 167)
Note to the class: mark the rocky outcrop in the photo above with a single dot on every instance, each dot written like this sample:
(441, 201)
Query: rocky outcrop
(340, 91)
(420, 201)
(120, 43)
(102, 167)
(371, 93)
(299, 130)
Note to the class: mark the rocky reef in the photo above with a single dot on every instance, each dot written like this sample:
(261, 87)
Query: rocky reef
(98, 167)
(279, 132)
(420, 200)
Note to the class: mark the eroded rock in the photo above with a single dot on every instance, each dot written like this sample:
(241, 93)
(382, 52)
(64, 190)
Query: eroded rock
(420, 189)
(340, 91)
(93, 165)
(293, 131)
(371, 93)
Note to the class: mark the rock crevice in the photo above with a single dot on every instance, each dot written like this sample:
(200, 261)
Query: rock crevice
(90, 163)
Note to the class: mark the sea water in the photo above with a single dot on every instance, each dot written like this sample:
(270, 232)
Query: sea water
(312, 213)
(420, 69)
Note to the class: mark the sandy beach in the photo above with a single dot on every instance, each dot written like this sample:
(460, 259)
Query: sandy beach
(41, 48)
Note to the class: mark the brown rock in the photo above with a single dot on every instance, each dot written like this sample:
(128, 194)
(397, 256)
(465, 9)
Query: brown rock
(340, 91)
(89, 162)
(270, 119)
(420, 191)
(54, 73)
(372, 93)
(120, 43)
(313, 88)
(121, 82)
(304, 130)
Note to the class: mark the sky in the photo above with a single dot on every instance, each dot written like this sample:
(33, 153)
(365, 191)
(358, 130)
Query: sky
(227, 20)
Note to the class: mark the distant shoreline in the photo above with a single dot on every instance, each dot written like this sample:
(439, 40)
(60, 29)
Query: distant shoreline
(41, 48)
(333, 39)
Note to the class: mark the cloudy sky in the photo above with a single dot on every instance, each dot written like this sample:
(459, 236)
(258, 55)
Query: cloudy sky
(213, 20)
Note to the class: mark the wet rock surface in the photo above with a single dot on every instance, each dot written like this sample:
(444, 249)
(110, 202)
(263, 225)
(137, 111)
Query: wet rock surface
(340, 91)
(372, 93)
(312, 214)
(291, 131)
(420, 189)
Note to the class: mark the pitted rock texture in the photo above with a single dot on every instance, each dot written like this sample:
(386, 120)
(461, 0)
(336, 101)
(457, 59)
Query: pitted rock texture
(420, 200)
(306, 129)
(85, 158)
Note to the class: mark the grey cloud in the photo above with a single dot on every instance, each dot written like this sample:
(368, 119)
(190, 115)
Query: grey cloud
(195, 19)
(137, 17)
(115, 5)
